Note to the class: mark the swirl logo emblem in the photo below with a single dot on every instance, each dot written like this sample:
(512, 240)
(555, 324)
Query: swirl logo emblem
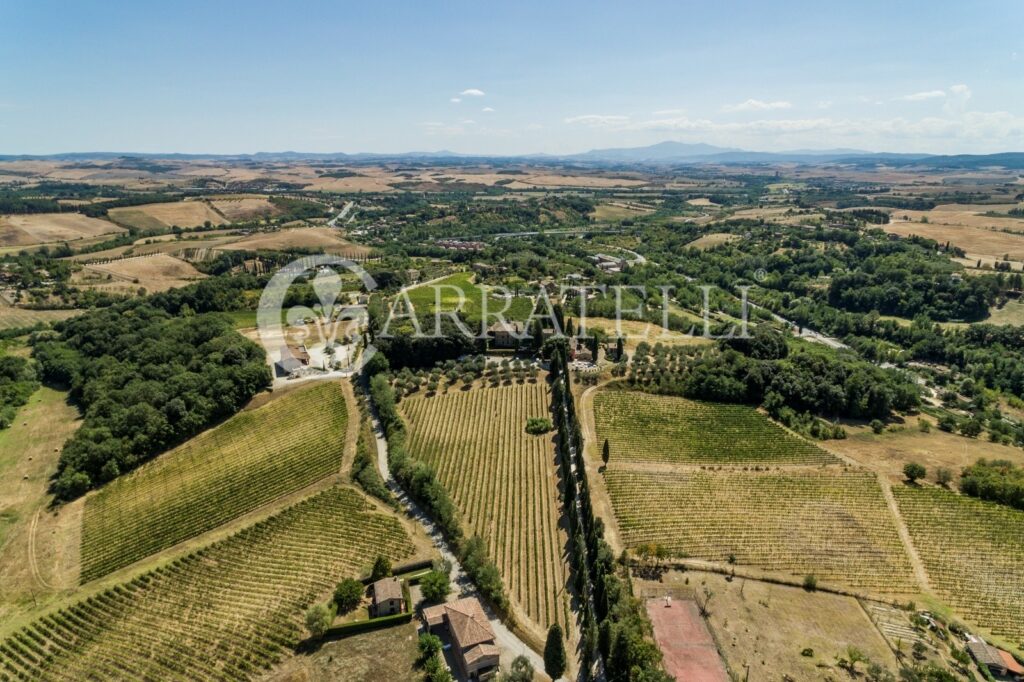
(310, 318)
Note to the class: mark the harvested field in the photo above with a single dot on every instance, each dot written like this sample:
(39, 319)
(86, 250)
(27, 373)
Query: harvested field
(710, 241)
(167, 215)
(504, 483)
(11, 317)
(237, 209)
(250, 459)
(973, 553)
(227, 611)
(155, 273)
(831, 522)
(890, 450)
(972, 239)
(50, 228)
(576, 181)
(38, 546)
(327, 239)
(641, 427)
(635, 332)
(683, 637)
(619, 211)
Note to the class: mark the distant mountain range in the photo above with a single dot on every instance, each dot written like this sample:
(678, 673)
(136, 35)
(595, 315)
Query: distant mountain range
(662, 154)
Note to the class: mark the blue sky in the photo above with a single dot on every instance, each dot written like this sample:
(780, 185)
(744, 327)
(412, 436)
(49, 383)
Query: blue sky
(517, 77)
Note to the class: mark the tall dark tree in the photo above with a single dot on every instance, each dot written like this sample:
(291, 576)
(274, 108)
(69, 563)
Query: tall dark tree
(554, 653)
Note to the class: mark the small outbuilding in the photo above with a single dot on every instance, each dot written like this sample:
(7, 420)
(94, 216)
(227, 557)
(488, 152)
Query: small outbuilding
(388, 598)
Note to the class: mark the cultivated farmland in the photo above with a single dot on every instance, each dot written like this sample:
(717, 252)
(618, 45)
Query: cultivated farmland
(326, 239)
(253, 458)
(503, 481)
(974, 554)
(166, 215)
(155, 273)
(226, 612)
(48, 228)
(832, 523)
(641, 427)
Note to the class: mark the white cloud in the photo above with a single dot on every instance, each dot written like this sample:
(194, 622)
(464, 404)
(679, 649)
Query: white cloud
(756, 105)
(668, 112)
(959, 95)
(455, 100)
(472, 92)
(922, 96)
(488, 110)
(469, 121)
(597, 120)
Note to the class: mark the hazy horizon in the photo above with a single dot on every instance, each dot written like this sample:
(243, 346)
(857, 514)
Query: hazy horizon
(509, 80)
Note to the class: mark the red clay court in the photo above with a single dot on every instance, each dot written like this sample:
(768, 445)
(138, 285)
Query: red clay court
(690, 653)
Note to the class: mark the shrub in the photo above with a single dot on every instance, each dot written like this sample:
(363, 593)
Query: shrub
(877, 425)
(429, 646)
(810, 583)
(538, 425)
(318, 618)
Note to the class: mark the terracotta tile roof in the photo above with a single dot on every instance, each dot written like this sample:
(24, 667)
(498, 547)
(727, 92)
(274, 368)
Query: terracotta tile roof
(481, 651)
(387, 588)
(1011, 663)
(466, 621)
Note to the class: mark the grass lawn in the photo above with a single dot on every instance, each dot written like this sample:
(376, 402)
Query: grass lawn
(379, 656)
(460, 288)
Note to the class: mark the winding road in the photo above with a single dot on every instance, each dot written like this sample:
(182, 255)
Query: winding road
(506, 639)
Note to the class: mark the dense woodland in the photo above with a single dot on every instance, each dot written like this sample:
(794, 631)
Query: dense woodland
(145, 381)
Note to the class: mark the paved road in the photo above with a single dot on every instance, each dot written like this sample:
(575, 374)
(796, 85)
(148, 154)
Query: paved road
(344, 212)
(506, 639)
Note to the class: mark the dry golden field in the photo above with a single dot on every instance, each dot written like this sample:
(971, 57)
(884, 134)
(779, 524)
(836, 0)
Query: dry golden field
(158, 272)
(166, 215)
(324, 238)
(710, 241)
(49, 228)
(972, 238)
(240, 208)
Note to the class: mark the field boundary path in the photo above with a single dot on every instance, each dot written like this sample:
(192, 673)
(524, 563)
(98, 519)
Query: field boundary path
(901, 527)
(506, 639)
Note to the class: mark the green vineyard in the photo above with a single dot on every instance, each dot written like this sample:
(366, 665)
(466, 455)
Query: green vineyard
(503, 481)
(641, 427)
(254, 457)
(974, 554)
(226, 612)
(832, 523)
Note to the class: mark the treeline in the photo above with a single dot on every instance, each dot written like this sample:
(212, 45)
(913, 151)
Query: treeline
(616, 631)
(996, 481)
(145, 380)
(99, 209)
(762, 371)
(299, 209)
(18, 381)
(420, 481)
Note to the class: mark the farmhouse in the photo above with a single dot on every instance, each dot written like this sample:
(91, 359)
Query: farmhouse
(472, 637)
(387, 598)
(1000, 663)
(505, 334)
